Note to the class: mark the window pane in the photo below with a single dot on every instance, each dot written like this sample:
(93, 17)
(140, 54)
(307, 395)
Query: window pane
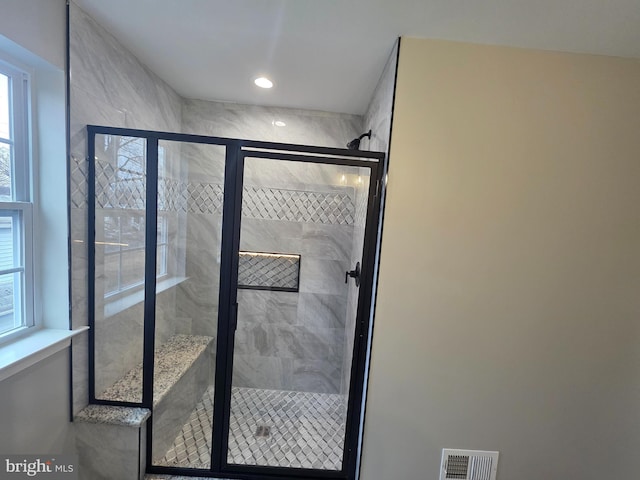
(5, 131)
(132, 268)
(111, 273)
(133, 231)
(161, 260)
(111, 234)
(10, 294)
(7, 239)
(161, 237)
(130, 172)
(5, 172)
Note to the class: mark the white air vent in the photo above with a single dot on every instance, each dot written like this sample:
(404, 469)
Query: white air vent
(468, 465)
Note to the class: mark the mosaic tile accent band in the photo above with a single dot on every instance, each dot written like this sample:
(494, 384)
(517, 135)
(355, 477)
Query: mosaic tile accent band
(175, 196)
(297, 206)
(269, 271)
(268, 428)
(336, 208)
(79, 182)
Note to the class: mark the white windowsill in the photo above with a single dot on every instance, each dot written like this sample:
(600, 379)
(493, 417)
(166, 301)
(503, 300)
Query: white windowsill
(31, 349)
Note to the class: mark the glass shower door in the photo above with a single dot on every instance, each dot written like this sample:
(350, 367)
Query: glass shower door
(190, 199)
(226, 296)
(302, 229)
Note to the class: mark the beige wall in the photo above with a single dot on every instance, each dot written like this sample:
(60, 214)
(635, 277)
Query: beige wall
(509, 295)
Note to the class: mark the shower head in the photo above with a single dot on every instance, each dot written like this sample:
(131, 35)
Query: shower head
(355, 143)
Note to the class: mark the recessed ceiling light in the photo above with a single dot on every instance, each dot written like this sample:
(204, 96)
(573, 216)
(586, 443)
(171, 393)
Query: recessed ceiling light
(263, 82)
(279, 123)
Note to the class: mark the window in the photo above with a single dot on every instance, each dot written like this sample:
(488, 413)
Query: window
(124, 217)
(16, 282)
(124, 251)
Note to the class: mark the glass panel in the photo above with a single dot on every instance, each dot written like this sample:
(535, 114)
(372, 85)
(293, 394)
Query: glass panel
(120, 189)
(190, 195)
(124, 252)
(5, 172)
(111, 273)
(132, 269)
(10, 280)
(5, 126)
(112, 233)
(293, 350)
(132, 231)
(10, 299)
(161, 245)
(8, 251)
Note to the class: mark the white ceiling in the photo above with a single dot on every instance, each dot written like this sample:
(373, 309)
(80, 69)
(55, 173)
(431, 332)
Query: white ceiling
(329, 54)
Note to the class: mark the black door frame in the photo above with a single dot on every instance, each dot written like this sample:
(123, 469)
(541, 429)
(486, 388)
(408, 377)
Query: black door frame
(236, 152)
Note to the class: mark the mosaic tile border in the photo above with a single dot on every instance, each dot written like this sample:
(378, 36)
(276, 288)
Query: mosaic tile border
(335, 208)
(298, 206)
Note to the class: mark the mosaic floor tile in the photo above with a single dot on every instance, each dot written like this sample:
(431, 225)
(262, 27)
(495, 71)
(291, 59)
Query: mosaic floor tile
(268, 428)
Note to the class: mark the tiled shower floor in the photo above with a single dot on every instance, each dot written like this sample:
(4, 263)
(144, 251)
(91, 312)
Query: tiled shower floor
(268, 427)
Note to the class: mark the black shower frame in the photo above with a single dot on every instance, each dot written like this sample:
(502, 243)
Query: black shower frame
(236, 151)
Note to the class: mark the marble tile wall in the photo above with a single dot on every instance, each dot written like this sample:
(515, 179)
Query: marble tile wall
(285, 340)
(355, 255)
(108, 451)
(108, 87)
(197, 296)
(253, 122)
(377, 118)
(379, 112)
(294, 340)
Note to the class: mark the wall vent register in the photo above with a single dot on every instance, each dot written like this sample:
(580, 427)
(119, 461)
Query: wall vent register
(468, 464)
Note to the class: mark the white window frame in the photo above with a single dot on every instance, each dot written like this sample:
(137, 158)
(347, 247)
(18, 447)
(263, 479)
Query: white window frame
(45, 210)
(20, 206)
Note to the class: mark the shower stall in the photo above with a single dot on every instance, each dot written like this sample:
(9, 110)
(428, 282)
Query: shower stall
(230, 285)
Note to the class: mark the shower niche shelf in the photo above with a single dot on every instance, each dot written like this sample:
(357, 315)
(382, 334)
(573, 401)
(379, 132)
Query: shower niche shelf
(269, 271)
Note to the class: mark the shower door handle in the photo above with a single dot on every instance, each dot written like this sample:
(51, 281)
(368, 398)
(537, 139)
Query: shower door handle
(355, 274)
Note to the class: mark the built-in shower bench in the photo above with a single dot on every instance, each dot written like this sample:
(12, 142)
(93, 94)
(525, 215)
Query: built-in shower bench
(107, 436)
(172, 360)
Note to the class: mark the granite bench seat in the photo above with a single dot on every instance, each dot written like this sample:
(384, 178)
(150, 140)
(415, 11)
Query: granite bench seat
(182, 372)
(172, 360)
